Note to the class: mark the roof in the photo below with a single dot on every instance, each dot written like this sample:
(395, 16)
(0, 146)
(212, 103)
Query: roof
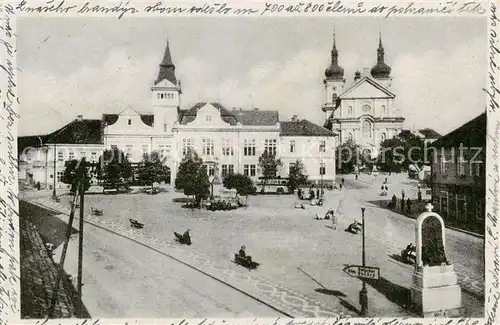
(78, 131)
(30, 141)
(245, 117)
(372, 82)
(429, 133)
(303, 128)
(167, 68)
(471, 134)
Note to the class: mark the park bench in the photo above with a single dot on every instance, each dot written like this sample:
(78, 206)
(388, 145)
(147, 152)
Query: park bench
(136, 224)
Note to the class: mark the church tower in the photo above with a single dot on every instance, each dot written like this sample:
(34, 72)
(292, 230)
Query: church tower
(334, 82)
(166, 93)
(381, 71)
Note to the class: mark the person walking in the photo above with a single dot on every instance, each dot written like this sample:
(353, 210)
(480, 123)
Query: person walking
(403, 193)
(334, 220)
(408, 205)
(419, 196)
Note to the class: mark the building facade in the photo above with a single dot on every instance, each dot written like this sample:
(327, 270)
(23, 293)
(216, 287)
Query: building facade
(362, 111)
(228, 140)
(458, 175)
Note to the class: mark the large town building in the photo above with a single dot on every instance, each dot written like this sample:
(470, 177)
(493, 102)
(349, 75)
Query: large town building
(363, 110)
(228, 140)
(458, 175)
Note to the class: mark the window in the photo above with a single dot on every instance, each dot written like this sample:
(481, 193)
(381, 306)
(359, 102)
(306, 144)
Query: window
(290, 167)
(83, 154)
(270, 146)
(322, 168)
(145, 149)
(461, 208)
(249, 147)
(461, 166)
(322, 146)
(350, 111)
(208, 147)
(443, 203)
(208, 118)
(479, 209)
(129, 122)
(211, 170)
(227, 170)
(249, 170)
(71, 155)
(165, 127)
(227, 147)
(366, 108)
(442, 165)
(292, 146)
(366, 129)
(129, 149)
(383, 137)
(350, 137)
(475, 168)
(93, 156)
(187, 144)
(59, 176)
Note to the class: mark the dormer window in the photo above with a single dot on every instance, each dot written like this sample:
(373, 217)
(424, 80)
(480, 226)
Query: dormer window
(129, 122)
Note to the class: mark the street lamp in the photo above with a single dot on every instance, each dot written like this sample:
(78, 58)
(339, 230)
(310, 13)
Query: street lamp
(363, 294)
(211, 179)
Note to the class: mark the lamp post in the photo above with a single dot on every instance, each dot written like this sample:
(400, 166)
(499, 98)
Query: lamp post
(54, 194)
(363, 294)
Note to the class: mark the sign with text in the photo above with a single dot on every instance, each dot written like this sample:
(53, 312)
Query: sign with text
(363, 272)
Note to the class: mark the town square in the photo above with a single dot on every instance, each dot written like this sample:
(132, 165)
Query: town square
(181, 197)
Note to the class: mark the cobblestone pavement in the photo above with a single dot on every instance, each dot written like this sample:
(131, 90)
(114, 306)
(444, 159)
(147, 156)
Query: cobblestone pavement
(38, 277)
(398, 231)
(280, 297)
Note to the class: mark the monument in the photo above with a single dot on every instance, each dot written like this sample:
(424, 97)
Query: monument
(434, 290)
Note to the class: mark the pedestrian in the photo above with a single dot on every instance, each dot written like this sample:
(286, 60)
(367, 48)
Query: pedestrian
(340, 186)
(408, 205)
(334, 220)
(311, 194)
(356, 176)
(343, 180)
(403, 205)
(299, 193)
(419, 196)
(317, 193)
(403, 193)
(385, 181)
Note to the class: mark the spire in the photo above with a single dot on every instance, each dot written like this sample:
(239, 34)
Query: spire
(167, 68)
(335, 53)
(380, 70)
(335, 71)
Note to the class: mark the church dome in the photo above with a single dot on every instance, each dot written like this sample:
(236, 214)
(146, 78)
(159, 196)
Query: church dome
(380, 70)
(334, 71)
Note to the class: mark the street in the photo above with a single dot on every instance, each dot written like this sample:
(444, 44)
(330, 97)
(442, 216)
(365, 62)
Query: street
(295, 251)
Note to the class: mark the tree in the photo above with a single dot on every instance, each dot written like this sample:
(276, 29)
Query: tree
(76, 173)
(401, 151)
(296, 176)
(269, 165)
(151, 169)
(192, 177)
(116, 168)
(241, 183)
(347, 157)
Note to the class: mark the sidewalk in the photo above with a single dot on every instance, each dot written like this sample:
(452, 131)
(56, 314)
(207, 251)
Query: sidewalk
(38, 277)
(279, 297)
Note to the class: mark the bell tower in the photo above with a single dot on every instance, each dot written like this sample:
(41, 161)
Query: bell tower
(166, 93)
(334, 82)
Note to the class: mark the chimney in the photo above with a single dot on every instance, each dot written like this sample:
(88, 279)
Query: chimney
(79, 118)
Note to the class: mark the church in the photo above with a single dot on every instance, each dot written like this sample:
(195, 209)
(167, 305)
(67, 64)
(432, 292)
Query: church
(363, 110)
(229, 140)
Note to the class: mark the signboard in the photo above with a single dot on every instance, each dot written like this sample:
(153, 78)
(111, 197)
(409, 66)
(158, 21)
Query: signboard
(363, 272)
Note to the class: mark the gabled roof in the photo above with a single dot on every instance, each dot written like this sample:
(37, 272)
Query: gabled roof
(78, 131)
(303, 128)
(471, 134)
(429, 133)
(30, 141)
(245, 117)
(372, 82)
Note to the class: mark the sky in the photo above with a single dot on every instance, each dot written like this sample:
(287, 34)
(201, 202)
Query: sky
(95, 66)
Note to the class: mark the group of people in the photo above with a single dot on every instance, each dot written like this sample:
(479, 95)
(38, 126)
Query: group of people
(330, 214)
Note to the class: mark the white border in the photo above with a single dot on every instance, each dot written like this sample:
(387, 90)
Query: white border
(9, 243)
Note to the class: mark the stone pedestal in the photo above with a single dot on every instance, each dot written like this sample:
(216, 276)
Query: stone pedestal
(435, 291)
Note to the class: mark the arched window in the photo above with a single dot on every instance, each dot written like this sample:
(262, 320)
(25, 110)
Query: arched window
(366, 108)
(384, 136)
(350, 137)
(366, 129)
(349, 111)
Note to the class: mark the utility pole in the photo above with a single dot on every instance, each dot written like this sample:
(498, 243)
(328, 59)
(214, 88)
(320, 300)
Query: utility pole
(54, 194)
(69, 227)
(80, 247)
(363, 294)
